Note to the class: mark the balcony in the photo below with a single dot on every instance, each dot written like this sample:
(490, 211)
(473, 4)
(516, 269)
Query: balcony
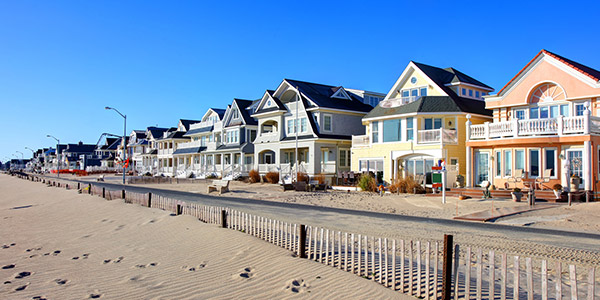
(267, 137)
(535, 127)
(360, 141)
(212, 146)
(394, 102)
(192, 144)
(437, 136)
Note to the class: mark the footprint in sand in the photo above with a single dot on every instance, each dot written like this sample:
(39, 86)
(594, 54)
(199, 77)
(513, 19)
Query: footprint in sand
(195, 268)
(8, 246)
(22, 287)
(61, 281)
(247, 273)
(120, 227)
(116, 261)
(84, 256)
(33, 249)
(55, 253)
(297, 286)
(39, 298)
(8, 267)
(22, 275)
(95, 295)
(146, 266)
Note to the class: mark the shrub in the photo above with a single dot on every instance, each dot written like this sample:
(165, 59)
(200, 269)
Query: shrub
(301, 176)
(367, 183)
(320, 178)
(272, 177)
(557, 187)
(406, 185)
(253, 176)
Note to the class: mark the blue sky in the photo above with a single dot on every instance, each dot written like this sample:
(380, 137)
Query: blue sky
(62, 62)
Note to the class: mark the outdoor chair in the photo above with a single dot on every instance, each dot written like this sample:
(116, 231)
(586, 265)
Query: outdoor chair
(518, 177)
(351, 177)
(345, 178)
(339, 177)
(544, 179)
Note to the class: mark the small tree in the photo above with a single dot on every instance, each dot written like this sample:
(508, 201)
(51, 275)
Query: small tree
(368, 183)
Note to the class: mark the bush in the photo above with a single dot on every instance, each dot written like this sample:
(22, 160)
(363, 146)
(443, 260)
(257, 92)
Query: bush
(272, 177)
(406, 185)
(367, 183)
(301, 176)
(253, 176)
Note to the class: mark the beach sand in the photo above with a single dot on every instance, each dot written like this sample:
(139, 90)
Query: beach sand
(57, 244)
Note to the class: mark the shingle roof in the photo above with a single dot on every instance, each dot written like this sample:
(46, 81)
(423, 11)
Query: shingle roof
(433, 104)
(187, 123)
(243, 105)
(449, 75)
(174, 135)
(219, 111)
(157, 132)
(192, 150)
(321, 94)
(80, 148)
(198, 130)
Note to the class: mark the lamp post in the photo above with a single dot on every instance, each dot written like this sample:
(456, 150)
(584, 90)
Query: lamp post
(124, 134)
(33, 165)
(57, 155)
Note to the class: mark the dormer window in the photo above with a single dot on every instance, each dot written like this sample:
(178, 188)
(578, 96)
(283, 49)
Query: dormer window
(341, 94)
(268, 102)
(235, 114)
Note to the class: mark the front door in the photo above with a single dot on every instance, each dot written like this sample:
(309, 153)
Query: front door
(576, 164)
(481, 167)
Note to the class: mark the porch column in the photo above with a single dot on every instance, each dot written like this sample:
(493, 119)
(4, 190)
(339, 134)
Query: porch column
(394, 170)
(587, 165)
(468, 177)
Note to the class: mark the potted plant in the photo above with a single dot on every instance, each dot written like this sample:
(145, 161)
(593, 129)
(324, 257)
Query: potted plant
(557, 188)
(516, 194)
(575, 181)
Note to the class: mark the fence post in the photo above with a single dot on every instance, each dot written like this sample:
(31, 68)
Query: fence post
(78, 185)
(178, 210)
(149, 199)
(223, 218)
(447, 267)
(302, 242)
(123, 194)
(89, 188)
(104, 193)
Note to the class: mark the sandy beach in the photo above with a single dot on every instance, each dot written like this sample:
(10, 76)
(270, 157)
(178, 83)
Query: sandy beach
(57, 244)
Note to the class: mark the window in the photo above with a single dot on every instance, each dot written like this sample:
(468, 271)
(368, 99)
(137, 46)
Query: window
(423, 91)
(554, 111)
(303, 125)
(248, 160)
(544, 112)
(454, 161)
(520, 160)
(579, 108)
(464, 92)
(534, 162)
(291, 126)
(235, 114)
(405, 94)
(414, 93)
(534, 113)
(327, 122)
(433, 123)
(520, 114)
(391, 130)
(252, 134)
(344, 158)
(470, 93)
(373, 101)
(476, 94)
(498, 163)
(550, 161)
(564, 110)
(507, 163)
(375, 132)
(409, 129)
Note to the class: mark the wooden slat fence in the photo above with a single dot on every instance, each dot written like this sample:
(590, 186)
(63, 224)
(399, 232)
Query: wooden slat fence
(412, 267)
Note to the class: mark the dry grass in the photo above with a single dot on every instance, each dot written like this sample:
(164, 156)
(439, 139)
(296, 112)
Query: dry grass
(253, 176)
(272, 177)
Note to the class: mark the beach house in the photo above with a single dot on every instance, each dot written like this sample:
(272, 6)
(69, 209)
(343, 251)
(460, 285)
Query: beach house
(419, 123)
(150, 156)
(545, 129)
(167, 145)
(316, 121)
(136, 147)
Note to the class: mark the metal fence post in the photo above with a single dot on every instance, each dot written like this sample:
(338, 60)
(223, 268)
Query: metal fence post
(447, 268)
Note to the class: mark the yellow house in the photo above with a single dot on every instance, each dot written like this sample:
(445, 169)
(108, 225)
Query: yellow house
(420, 122)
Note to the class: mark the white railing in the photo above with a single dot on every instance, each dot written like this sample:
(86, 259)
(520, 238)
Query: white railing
(328, 168)
(433, 136)
(203, 124)
(191, 144)
(264, 168)
(165, 151)
(394, 102)
(266, 137)
(211, 146)
(550, 126)
(360, 140)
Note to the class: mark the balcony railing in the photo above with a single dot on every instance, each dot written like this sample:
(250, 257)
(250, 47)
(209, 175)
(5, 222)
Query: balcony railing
(535, 127)
(394, 102)
(191, 144)
(360, 141)
(434, 136)
(203, 124)
(266, 137)
(211, 146)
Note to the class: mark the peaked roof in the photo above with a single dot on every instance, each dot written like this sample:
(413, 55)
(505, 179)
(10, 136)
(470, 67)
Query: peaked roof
(320, 94)
(583, 69)
(442, 77)
(243, 106)
(433, 104)
(186, 123)
(80, 148)
(219, 111)
(157, 132)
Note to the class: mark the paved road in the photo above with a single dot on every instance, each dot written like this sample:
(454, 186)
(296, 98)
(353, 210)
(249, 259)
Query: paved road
(566, 245)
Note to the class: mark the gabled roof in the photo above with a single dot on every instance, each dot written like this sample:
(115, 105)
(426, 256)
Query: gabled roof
(442, 77)
(245, 113)
(270, 94)
(140, 134)
(156, 132)
(174, 135)
(219, 111)
(80, 148)
(320, 95)
(433, 104)
(583, 69)
(198, 130)
(186, 123)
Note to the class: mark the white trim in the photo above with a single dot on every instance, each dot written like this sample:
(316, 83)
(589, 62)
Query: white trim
(470, 85)
(341, 94)
(402, 79)
(445, 114)
(335, 110)
(330, 123)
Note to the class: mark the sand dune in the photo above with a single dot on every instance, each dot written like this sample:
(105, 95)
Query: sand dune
(57, 244)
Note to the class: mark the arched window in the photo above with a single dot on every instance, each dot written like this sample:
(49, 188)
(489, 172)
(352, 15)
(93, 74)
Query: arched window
(547, 92)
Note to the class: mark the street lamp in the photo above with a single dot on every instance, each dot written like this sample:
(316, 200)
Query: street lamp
(124, 134)
(57, 155)
(33, 165)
